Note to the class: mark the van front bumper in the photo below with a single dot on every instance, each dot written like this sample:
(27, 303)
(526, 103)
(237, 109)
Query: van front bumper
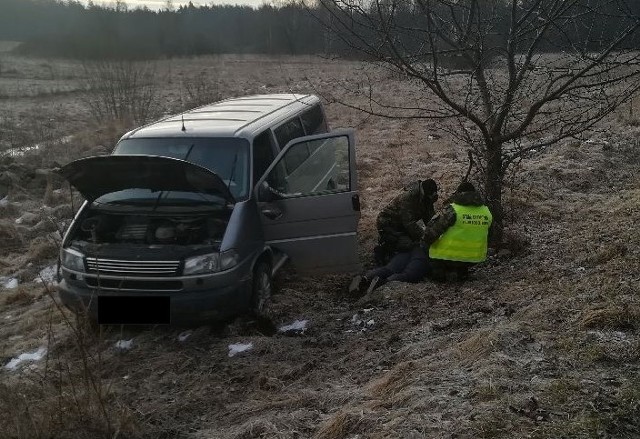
(193, 299)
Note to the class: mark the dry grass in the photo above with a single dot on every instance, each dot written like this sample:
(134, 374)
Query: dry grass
(19, 297)
(394, 381)
(341, 425)
(10, 237)
(64, 397)
(441, 360)
(614, 318)
(42, 249)
(477, 346)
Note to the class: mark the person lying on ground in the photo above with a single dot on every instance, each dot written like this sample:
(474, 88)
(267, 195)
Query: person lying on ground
(408, 266)
(398, 223)
(457, 237)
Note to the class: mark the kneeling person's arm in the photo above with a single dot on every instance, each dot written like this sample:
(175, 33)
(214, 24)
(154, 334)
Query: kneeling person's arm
(438, 225)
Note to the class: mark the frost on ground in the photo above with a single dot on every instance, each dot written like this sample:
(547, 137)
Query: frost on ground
(183, 336)
(238, 348)
(124, 345)
(9, 283)
(297, 327)
(47, 275)
(30, 356)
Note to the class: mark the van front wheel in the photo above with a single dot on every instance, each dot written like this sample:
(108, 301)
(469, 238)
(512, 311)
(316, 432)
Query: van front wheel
(262, 287)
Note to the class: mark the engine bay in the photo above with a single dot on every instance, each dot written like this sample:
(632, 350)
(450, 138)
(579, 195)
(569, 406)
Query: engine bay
(108, 228)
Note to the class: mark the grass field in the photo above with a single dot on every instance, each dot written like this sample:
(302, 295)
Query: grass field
(543, 342)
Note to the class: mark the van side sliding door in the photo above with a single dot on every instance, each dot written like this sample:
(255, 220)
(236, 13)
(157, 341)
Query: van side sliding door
(309, 203)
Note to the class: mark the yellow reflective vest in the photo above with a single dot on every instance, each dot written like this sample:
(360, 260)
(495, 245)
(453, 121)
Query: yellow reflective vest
(466, 240)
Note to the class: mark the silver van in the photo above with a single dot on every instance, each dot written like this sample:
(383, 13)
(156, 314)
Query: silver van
(191, 216)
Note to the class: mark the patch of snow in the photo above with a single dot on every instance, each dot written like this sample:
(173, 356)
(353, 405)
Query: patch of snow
(47, 275)
(362, 324)
(124, 344)
(297, 327)
(31, 356)
(28, 218)
(238, 348)
(5, 201)
(9, 283)
(184, 335)
(20, 152)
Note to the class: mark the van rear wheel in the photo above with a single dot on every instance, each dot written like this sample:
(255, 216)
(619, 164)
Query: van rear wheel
(262, 288)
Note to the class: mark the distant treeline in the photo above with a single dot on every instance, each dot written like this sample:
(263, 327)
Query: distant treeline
(71, 29)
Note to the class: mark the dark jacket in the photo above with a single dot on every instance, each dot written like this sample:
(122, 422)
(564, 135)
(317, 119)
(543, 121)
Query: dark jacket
(400, 217)
(447, 218)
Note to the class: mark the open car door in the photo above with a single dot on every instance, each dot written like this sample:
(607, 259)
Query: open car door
(309, 203)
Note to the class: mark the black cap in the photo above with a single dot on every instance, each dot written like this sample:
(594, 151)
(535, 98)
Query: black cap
(429, 191)
(429, 186)
(465, 186)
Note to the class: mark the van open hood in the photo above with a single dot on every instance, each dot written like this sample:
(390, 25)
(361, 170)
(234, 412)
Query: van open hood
(100, 175)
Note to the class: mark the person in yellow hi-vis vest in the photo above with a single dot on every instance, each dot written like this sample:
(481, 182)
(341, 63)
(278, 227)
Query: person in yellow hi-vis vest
(457, 237)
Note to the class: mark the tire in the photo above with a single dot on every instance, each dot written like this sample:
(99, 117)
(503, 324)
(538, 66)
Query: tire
(262, 287)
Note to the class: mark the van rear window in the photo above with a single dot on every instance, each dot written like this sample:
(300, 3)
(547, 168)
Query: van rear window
(289, 131)
(313, 121)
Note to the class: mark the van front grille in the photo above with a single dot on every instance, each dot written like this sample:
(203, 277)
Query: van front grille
(132, 268)
(133, 284)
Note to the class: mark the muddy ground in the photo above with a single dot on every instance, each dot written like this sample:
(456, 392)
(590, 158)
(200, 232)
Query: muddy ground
(543, 342)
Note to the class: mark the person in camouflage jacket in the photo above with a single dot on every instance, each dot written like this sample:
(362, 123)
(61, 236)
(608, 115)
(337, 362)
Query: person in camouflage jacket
(397, 224)
(440, 269)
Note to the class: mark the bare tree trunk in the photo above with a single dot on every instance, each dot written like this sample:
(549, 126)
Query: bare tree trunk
(493, 189)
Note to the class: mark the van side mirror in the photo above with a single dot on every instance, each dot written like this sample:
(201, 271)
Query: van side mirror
(264, 192)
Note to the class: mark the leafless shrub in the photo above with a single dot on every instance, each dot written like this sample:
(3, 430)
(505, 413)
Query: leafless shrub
(201, 90)
(121, 90)
(68, 399)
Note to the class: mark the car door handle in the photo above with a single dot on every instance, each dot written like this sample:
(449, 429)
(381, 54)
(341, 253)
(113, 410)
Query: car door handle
(272, 212)
(355, 202)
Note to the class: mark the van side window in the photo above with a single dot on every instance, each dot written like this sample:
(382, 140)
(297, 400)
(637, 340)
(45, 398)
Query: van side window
(262, 155)
(289, 131)
(327, 171)
(313, 121)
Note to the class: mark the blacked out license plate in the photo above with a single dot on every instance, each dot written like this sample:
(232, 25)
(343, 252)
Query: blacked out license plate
(134, 310)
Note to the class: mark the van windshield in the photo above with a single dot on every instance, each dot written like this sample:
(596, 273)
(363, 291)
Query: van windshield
(228, 157)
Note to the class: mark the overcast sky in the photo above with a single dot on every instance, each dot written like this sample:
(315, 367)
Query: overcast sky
(160, 4)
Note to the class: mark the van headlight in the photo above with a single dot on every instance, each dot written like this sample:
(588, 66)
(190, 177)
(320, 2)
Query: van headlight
(210, 263)
(72, 259)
